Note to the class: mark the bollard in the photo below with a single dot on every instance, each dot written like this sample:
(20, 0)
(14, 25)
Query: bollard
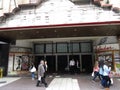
(1, 72)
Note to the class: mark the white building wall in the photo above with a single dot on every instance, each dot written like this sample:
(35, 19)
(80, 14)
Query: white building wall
(106, 40)
(24, 43)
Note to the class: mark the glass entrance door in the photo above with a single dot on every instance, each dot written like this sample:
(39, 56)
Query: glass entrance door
(51, 61)
(77, 62)
(37, 60)
(62, 62)
(87, 63)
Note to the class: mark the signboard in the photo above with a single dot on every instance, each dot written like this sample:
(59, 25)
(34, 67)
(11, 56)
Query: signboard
(107, 47)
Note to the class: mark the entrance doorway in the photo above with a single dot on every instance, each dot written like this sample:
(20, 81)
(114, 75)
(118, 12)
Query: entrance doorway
(77, 62)
(59, 63)
(51, 62)
(37, 60)
(62, 62)
(86, 63)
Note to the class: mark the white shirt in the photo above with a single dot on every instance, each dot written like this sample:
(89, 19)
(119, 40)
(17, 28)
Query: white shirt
(106, 70)
(72, 62)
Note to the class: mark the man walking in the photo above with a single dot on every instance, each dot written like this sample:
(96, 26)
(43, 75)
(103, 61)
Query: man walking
(41, 71)
(72, 66)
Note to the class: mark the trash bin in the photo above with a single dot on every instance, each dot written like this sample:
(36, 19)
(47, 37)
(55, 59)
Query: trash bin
(1, 72)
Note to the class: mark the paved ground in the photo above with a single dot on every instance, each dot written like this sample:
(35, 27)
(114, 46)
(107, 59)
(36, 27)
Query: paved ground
(84, 82)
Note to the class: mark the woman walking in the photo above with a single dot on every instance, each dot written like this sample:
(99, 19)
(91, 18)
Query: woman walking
(106, 78)
(32, 70)
(96, 71)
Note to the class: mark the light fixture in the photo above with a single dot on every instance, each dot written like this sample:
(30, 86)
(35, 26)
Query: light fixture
(1, 42)
(75, 29)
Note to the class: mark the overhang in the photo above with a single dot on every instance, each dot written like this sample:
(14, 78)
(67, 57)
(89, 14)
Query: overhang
(62, 31)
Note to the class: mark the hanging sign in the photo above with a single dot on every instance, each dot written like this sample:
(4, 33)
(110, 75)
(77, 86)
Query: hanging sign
(107, 47)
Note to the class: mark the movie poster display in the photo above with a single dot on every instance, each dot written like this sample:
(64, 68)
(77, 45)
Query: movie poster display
(117, 61)
(19, 61)
(109, 53)
(10, 64)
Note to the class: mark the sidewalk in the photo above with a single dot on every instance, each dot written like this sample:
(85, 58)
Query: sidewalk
(63, 82)
(7, 80)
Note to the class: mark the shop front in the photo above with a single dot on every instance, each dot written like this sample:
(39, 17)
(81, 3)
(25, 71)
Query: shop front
(59, 54)
(19, 61)
(111, 54)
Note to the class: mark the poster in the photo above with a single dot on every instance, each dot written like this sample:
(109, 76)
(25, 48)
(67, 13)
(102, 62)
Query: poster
(117, 61)
(10, 65)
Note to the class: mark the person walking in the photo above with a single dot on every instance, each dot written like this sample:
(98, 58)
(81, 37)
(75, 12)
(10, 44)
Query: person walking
(106, 78)
(46, 68)
(41, 71)
(96, 71)
(32, 70)
(101, 63)
(72, 66)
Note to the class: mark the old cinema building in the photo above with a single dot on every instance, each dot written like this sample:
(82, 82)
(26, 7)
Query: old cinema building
(57, 31)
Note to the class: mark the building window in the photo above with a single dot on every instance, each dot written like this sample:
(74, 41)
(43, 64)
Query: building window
(62, 48)
(86, 47)
(49, 48)
(39, 48)
(54, 48)
(76, 47)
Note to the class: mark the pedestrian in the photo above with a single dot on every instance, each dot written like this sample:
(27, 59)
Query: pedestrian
(32, 70)
(101, 63)
(96, 71)
(41, 71)
(46, 68)
(72, 66)
(106, 78)
(77, 67)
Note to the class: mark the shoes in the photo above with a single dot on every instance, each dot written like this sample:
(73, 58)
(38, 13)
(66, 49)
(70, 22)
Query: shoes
(38, 86)
(33, 78)
(107, 89)
(46, 85)
(93, 80)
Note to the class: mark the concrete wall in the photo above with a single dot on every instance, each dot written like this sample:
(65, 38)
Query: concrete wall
(106, 40)
(24, 43)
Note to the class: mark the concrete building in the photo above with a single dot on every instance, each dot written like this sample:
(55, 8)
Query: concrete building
(57, 31)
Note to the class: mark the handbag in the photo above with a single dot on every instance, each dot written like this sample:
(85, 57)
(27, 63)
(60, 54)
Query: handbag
(92, 74)
(33, 69)
(39, 78)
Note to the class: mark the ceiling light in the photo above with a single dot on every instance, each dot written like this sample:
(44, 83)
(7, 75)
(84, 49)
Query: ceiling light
(37, 32)
(55, 31)
(75, 29)
(1, 42)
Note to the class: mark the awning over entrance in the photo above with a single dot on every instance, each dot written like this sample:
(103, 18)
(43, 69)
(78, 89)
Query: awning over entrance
(60, 18)
(71, 30)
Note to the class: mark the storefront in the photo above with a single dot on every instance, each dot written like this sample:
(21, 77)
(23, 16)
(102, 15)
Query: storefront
(19, 60)
(59, 54)
(109, 53)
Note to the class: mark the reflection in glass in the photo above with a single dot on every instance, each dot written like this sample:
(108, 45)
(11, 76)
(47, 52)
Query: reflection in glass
(86, 47)
(62, 47)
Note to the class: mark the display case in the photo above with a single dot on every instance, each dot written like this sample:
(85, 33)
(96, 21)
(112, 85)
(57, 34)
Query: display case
(107, 56)
(109, 53)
